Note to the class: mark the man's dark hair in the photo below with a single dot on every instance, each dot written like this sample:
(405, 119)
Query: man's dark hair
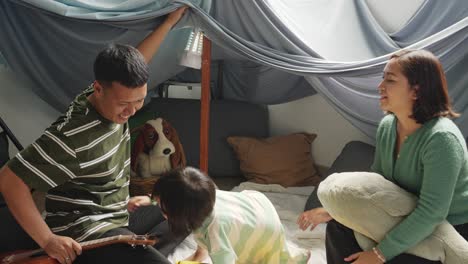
(187, 197)
(123, 64)
(424, 71)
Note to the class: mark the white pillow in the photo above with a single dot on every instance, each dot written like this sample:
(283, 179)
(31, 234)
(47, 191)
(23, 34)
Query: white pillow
(371, 206)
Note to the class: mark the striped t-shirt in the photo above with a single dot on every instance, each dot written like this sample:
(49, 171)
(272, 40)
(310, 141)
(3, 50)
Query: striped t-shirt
(82, 161)
(245, 228)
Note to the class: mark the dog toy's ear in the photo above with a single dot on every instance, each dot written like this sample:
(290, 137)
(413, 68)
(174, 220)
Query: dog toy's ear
(178, 157)
(138, 147)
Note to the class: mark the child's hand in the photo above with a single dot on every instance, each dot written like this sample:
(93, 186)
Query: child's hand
(137, 201)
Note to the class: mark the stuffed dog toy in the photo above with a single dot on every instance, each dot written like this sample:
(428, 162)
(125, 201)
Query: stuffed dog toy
(157, 149)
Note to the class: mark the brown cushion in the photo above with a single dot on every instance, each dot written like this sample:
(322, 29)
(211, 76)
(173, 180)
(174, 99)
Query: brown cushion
(285, 160)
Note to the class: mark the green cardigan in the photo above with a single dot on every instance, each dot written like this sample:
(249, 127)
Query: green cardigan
(433, 165)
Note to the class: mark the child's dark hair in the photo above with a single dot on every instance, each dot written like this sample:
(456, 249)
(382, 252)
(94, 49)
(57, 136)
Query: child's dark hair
(187, 197)
(123, 64)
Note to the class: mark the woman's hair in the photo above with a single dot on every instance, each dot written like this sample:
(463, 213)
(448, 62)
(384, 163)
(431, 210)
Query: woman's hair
(187, 197)
(424, 71)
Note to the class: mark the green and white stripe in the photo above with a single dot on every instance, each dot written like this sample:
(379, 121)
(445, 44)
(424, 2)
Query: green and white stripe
(245, 228)
(83, 162)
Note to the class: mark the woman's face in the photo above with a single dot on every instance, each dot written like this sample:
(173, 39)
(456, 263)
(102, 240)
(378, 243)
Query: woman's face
(396, 94)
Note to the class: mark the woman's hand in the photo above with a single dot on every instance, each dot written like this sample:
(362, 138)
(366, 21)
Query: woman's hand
(137, 201)
(312, 218)
(363, 257)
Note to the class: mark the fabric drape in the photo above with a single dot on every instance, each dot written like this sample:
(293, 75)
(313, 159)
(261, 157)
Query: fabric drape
(274, 51)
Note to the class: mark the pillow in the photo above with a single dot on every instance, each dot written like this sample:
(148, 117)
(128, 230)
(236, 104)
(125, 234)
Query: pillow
(355, 156)
(372, 206)
(284, 160)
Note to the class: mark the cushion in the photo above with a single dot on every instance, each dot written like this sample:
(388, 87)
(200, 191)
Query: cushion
(371, 205)
(284, 160)
(355, 156)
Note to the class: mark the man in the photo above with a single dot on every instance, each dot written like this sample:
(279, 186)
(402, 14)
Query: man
(82, 160)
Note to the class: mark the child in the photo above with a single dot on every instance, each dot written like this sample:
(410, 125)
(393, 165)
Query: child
(231, 227)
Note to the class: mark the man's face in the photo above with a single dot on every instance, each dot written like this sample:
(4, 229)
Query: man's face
(117, 102)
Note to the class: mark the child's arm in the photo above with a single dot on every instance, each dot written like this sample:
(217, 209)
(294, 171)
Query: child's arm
(199, 255)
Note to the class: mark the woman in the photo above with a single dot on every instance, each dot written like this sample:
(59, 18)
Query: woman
(418, 148)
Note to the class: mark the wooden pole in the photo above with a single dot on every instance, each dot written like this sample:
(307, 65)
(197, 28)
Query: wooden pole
(205, 104)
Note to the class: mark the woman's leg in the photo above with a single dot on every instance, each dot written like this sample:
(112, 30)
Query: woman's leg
(463, 230)
(407, 258)
(345, 195)
(340, 243)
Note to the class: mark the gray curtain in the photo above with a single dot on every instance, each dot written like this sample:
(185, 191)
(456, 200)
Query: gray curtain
(350, 86)
(266, 61)
(57, 52)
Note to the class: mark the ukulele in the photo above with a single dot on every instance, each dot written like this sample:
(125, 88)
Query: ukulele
(39, 256)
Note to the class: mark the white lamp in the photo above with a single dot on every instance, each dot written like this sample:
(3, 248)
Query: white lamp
(191, 57)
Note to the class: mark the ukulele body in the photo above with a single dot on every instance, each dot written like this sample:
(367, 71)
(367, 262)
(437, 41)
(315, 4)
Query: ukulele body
(42, 259)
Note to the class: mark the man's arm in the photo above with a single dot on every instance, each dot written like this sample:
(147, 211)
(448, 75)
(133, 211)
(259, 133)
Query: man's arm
(150, 45)
(19, 200)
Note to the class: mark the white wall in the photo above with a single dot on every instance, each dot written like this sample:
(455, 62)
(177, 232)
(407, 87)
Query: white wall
(25, 114)
(314, 115)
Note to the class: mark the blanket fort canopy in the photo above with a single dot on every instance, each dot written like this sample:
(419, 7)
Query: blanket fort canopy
(269, 48)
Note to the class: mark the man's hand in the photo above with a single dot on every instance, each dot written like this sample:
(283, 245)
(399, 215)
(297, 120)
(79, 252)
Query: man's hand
(150, 45)
(175, 16)
(63, 249)
(137, 201)
(312, 218)
(18, 197)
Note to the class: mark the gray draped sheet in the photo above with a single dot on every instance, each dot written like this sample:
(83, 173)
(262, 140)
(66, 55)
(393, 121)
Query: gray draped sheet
(265, 60)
